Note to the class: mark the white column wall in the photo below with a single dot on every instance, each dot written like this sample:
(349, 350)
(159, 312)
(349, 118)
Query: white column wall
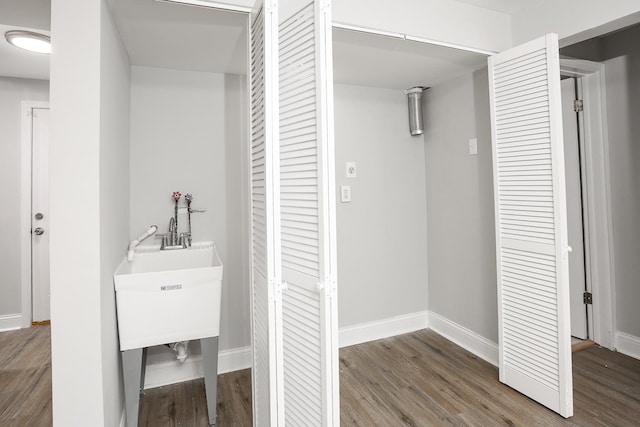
(89, 213)
(76, 342)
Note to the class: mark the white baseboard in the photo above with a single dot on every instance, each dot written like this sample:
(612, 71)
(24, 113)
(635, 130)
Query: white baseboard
(465, 338)
(10, 322)
(628, 344)
(385, 328)
(172, 371)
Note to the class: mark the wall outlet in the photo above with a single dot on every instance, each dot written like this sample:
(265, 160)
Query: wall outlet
(351, 170)
(345, 193)
(473, 146)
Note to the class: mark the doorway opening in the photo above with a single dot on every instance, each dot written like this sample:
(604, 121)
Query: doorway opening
(586, 159)
(35, 214)
(577, 215)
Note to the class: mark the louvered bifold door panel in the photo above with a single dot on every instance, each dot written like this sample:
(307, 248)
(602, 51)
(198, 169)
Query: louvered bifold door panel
(267, 383)
(531, 229)
(305, 200)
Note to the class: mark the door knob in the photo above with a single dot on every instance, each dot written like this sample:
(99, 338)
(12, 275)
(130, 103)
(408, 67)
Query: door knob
(38, 231)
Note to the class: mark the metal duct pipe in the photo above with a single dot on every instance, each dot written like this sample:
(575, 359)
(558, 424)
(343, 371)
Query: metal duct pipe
(416, 125)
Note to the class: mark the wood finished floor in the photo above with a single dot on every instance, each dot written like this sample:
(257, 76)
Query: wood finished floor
(417, 379)
(25, 377)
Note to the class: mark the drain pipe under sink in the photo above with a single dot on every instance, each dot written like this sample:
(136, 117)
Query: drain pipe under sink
(132, 244)
(181, 348)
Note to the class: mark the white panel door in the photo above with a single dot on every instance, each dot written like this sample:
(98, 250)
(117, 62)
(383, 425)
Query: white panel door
(577, 276)
(307, 200)
(41, 294)
(267, 375)
(531, 226)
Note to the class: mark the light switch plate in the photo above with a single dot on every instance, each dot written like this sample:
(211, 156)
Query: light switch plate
(351, 170)
(473, 146)
(345, 193)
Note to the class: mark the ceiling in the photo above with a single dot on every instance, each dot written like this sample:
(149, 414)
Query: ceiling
(180, 37)
(506, 6)
(175, 36)
(367, 59)
(15, 62)
(31, 15)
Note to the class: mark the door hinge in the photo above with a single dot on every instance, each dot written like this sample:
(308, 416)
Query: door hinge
(587, 298)
(578, 105)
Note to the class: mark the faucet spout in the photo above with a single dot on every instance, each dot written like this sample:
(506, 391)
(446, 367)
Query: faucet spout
(173, 232)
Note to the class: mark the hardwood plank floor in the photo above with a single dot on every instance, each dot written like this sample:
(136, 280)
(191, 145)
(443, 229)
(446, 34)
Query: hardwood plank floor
(185, 404)
(422, 379)
(25, 377)
(417, 379)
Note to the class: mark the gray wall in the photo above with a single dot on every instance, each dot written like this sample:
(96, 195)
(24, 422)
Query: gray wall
(12, 92)
(622, 68)
(114, 203)
(460, 210)
(187, 135)
(382, 236)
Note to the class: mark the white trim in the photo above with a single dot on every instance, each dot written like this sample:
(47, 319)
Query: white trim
(171, 371)
(600, 274)
(383, 328)
(10, 322)
(25, 208)
(451, 45)
(628, 344)
(211, 5)
(465, 338)
(368, 30)
(408, 37)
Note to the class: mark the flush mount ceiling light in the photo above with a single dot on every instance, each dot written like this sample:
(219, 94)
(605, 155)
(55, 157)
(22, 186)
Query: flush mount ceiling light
(28, 40)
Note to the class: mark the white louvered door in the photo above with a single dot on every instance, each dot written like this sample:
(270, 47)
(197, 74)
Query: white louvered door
(267, 375)
(307, 200)
(531, 227)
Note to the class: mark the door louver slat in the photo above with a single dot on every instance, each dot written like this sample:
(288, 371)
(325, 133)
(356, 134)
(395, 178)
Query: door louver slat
(530, 224)
(268, 408)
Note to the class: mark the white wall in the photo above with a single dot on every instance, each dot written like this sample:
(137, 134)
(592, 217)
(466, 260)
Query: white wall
(460, 210)
(12, 92)
(114, 203)
(438, 20)
(572, 20)
(382, 236)
(76, 342)
(622, 72)
(89, 213)
(187, 135)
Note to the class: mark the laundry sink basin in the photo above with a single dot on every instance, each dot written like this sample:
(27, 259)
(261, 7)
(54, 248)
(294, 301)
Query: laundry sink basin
(168, 296)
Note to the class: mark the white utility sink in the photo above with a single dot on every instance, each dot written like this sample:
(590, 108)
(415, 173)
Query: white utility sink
(168, 296)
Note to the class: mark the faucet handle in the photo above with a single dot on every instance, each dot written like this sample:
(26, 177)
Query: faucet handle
(165, 239)
(185, 239)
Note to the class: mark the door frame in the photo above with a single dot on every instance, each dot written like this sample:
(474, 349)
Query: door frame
(593, 132)
(25, 207)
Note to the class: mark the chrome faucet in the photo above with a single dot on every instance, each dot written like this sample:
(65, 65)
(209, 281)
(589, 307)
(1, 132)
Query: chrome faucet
(173, 232)
(173, 240)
